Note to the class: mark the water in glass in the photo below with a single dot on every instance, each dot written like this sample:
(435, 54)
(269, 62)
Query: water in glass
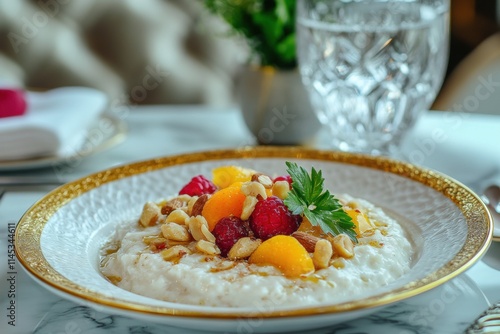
(371, 67)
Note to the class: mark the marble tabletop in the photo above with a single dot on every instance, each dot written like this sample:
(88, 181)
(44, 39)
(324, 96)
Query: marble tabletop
(460, 145)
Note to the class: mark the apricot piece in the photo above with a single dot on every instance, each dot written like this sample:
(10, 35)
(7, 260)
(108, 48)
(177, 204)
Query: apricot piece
(225, 176)
(223, 203)
(285, 253)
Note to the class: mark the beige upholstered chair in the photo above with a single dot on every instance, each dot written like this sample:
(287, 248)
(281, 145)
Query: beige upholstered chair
(147, 51)
(474, 86)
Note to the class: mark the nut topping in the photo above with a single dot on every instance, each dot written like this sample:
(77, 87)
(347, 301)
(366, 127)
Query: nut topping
(307, 240)
(253, 188)
(194, 224)
(176, 232)
(248, 206)
(243, 248)
(322, 254)
(207, 234)
(198, 205)
(150, 214)
(174, 253)
(265, 181)
(171, 206)
(281, 189)
(177, 216)
(343, 246)
(207, 247)
(155, 243)
(190, 205)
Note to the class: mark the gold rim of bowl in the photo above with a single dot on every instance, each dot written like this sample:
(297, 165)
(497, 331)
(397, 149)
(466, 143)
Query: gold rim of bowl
(478, 220)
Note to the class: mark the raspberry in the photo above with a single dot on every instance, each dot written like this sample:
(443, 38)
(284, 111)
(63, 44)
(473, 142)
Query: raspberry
(198, 186)
(271, 217)
(286, 178)
(227, 231)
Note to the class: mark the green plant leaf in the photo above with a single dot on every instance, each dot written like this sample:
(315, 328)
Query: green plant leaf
(268, 26)
(321, 208)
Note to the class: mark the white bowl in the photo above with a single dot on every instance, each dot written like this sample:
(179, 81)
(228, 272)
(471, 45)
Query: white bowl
(59, 238)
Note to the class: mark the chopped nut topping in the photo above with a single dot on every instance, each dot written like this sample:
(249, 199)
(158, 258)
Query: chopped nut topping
(191, 204)
(177, 216)
(155, 242)
(198, 205)
(176, 232)
(171, 206)
(254, 189)
(255, 177)
(174, 253)
(343, 246)
(207, 234)
(338, 262)
(307, 240)
(265, 181)
(243, 248)
(248, 206)
(207, 247)
(195, 224)
(150, 214)
(322, 254)
(281, 189)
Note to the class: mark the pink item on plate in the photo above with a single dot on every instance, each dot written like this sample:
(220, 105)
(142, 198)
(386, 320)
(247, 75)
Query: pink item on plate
(12, 102)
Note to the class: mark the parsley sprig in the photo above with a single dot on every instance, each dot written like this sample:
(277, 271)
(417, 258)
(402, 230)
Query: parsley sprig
(321, 208)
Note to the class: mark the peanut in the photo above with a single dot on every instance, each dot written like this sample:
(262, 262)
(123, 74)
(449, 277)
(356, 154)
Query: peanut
(243, 248)
(322, 254)
(174, 253)
(253, 188)
(207, 247)
(280, 189)
(177, 216)
(176, 232)
(150, 214)
(248, 206)
(343, 246)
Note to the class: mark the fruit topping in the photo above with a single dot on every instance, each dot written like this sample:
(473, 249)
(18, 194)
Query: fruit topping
(225, 176)
(198, 186)
(290, 222)
(285, 253)
(227, 232)
(224, 203)
(271, 217)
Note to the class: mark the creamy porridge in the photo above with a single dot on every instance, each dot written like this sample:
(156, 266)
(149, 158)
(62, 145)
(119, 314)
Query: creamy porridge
(172, 256)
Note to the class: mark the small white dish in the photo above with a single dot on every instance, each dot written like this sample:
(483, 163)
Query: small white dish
(59, 238)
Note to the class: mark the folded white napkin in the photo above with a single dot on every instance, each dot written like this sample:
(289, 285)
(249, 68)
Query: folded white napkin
(55, 123)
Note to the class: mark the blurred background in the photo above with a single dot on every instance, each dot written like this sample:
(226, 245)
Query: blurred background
(157, 51)
(472, 21)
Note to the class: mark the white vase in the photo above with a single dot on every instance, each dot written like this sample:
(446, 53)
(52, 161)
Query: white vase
(275, 106)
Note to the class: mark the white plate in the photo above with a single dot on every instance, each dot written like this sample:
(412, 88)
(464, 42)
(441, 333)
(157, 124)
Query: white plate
(109, 131)
(58, 239)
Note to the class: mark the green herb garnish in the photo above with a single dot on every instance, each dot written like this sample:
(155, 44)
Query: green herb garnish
(321, 208)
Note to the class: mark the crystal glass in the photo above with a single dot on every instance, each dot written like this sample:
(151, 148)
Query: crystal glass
(371, 66)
